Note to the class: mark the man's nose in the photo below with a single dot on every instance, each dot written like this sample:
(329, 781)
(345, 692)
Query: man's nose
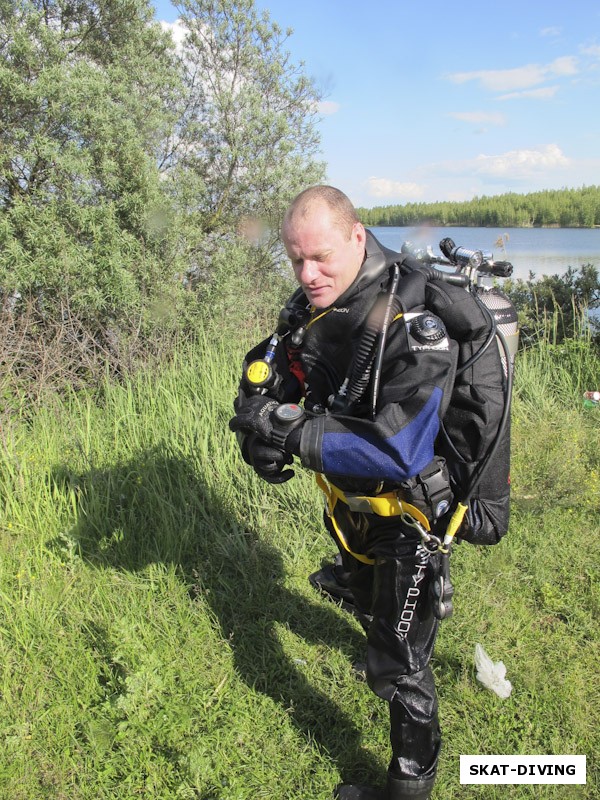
(309, 272)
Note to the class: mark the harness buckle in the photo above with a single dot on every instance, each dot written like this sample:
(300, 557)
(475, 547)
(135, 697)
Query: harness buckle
(359, 503)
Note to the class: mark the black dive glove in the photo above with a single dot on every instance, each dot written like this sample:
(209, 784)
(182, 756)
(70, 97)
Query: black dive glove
(277, 425)
(268, 462)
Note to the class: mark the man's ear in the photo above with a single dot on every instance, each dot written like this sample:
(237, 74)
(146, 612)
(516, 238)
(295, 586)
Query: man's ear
(359, 234)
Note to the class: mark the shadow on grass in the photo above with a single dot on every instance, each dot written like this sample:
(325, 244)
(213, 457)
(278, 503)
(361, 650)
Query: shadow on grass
(155, 509)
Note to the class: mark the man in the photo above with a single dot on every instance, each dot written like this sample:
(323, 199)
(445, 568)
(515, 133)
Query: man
(384, 486)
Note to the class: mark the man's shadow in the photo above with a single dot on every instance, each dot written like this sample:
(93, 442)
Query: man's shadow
(240, 576)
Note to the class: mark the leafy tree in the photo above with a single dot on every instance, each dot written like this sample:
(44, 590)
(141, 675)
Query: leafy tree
(129, 173)
(84, 89)
(246, 139)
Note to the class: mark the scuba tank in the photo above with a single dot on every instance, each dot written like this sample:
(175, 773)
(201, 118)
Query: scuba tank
(505, 316)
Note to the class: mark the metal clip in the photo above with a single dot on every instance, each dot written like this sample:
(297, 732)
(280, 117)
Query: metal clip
(430, 542)
(442, 590)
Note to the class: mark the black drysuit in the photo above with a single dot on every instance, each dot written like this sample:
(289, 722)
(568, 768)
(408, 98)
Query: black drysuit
(391, 570)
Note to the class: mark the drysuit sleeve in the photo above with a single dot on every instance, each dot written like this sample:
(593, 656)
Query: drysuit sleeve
(398, 443)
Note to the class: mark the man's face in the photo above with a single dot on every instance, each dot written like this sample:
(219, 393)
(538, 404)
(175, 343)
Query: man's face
(324, 259)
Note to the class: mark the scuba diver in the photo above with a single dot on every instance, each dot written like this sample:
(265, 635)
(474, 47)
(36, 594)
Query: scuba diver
(376, 370)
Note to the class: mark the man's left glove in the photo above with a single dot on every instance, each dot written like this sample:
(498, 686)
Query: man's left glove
(276, 424)
(267, 461)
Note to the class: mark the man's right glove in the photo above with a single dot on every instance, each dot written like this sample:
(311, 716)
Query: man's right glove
(267, 461)
(277, 424)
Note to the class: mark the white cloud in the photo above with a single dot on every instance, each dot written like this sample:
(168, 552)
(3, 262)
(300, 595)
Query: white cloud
(546, 93)
(513, 165)
(502, 80)
(551, 31)
(480, 117)
(505, 80)
(566, 65)
(178, 32)
(590, 50)
(327, 107)
(521, 163)
(384, 187)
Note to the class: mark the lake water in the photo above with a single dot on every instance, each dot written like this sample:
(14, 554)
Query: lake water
(544, 251)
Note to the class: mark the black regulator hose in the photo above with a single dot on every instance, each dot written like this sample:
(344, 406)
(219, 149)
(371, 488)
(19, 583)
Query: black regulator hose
(393, 306)
(357, 382)
(454, 278)
(365, 354)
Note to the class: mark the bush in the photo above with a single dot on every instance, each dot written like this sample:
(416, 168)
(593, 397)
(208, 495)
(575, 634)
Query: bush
(556, 307)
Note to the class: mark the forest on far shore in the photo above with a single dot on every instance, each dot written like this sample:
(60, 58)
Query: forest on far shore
(561, 208)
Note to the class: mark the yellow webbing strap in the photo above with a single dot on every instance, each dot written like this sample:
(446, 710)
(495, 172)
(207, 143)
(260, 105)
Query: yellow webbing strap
(331, 503)
(384, 505)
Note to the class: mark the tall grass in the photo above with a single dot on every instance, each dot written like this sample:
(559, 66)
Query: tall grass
(555, 371)
(159, 638)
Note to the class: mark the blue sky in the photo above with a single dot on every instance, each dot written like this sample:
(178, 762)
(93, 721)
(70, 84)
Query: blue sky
(433, 100)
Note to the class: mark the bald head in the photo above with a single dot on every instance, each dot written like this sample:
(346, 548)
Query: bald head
(325, 243)
(342, 213)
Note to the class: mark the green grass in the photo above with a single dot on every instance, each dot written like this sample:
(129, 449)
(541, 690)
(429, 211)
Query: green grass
(159, 638)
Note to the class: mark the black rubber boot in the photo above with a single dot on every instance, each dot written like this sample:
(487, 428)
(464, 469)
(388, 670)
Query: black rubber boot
(409, 788)
(397, 789)
(332, 581)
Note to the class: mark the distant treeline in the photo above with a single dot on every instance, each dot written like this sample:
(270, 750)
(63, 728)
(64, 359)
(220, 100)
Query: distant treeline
(565, 208)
